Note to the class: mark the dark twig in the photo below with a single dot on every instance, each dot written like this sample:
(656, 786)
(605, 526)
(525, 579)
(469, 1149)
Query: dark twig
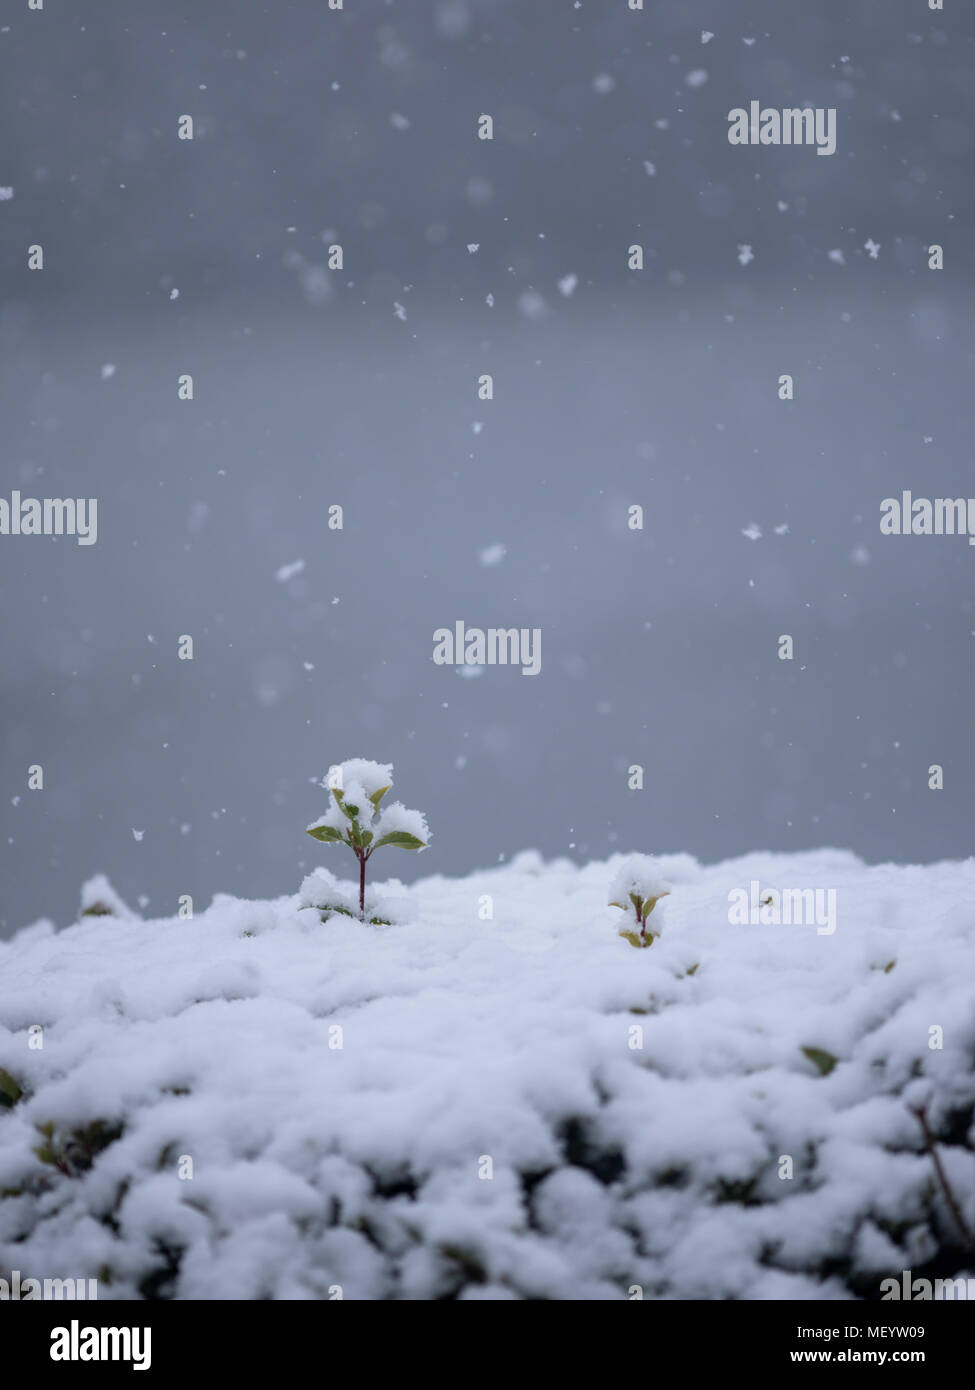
(921, 1113)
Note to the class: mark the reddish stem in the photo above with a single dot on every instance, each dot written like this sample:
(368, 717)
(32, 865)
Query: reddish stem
(968, 1236)
(362, 884)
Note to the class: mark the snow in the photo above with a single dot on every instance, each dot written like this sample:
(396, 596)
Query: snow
(492, 555)
(98, 897)
(640, 874)
(371, 776)
(397, 819)
(513, 1106)
(288, 571)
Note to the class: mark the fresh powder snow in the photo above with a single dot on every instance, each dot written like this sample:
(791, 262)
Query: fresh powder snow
(497, 1097)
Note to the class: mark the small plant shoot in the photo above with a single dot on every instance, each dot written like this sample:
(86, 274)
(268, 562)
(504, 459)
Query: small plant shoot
(637, 888)
(354, 818)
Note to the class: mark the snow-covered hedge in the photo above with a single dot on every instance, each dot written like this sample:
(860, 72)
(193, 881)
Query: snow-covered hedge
(496, 1097)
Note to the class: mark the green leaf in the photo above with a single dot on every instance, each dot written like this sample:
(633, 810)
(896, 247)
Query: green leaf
(329, 908)
(691, 969)
(376, 797)
(350, 810)
(324, 833)
(10, 1092)
(634, 939)
(823, 1061)
(366, 838)
(400, 838)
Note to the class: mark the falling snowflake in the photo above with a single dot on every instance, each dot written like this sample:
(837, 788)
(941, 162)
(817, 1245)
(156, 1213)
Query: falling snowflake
(752, 531)
(745, 254)
(872, 248)
(287, 572)
(492, 554)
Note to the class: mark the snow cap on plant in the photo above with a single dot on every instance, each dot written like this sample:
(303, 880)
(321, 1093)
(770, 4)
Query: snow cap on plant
(99, 899)
(638, 886)
(354, 817)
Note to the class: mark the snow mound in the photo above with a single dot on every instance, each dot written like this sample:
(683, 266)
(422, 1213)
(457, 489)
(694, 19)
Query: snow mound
(498, 1097)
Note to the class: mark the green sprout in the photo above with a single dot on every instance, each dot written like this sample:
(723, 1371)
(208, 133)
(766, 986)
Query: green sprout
(638, 885)
(354, 818)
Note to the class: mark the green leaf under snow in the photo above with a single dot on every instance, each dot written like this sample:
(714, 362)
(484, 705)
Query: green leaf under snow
(402, 838)
(822, 1060)
(327, 910)
(324, 832)
(10, 1092)
(376, 797)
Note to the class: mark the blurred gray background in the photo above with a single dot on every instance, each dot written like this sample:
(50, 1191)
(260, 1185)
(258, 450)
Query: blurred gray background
(311, 389)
